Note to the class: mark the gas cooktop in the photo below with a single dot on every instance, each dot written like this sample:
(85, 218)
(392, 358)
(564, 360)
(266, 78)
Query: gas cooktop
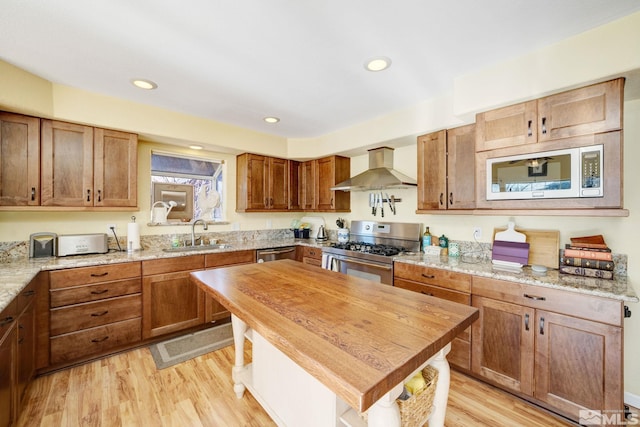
(371, 248)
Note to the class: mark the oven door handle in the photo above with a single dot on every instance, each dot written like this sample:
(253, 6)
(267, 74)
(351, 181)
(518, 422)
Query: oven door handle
(366, 264)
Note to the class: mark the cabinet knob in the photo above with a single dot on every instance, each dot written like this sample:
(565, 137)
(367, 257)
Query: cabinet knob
(542, 326)
(526, 322)
(529, 131)
(544, 125)
(451, 199)
(99, 195)
(33, 193)
(88, 195)
(441, 196)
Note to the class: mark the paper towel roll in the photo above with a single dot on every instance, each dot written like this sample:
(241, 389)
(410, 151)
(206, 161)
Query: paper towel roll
(133, 237)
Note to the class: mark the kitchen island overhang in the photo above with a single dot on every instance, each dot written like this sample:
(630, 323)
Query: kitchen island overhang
(358, 338)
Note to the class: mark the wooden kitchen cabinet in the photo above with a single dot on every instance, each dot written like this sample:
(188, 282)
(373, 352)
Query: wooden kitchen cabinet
(8, 389)
(330, 171)
(446, 169)
(19, 160)
(444, 284)
(213, 310)
(170, 302)
(262, 183)
(311, 255)
(561, 350)
(86, 167)
(94, 311)
(588, 110)
(308, 183)
(296, 190)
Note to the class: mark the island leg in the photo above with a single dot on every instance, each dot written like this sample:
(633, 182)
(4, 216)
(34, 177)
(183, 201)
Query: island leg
(385, 412)
(441, 394)
(239, 329)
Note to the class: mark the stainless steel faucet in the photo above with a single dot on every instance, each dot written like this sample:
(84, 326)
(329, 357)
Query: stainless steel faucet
(193, 230)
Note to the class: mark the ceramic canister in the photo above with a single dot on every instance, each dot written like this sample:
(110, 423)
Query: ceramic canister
(454, 249)
(343, 235)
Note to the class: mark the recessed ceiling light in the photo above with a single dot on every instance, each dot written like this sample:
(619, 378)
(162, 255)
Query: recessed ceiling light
(271, 119)
(378, 63)
(196, 147)
(144, 84)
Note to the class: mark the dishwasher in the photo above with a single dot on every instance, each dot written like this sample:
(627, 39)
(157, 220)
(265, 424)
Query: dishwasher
(273, 254)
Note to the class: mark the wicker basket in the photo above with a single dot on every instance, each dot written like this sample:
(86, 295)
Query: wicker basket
(415, 410)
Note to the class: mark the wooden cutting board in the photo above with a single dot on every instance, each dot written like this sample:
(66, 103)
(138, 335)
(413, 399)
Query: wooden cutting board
(544, 246)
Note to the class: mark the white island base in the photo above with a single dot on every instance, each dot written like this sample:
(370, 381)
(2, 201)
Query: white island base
(292, 397)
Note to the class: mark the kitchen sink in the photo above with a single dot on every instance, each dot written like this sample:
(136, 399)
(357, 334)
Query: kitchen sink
(197, 248)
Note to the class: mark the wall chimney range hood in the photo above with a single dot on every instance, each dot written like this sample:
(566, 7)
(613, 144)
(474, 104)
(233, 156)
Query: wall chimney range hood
(379, 176)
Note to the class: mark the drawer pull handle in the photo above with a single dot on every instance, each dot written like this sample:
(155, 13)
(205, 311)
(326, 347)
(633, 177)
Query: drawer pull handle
(99, 292)
(102, 313)
(526, 322)
(99, 275)
(529, 131)
(29, 293)
(6, 320)
(100, 339)
(426, 293)
(428, 276)
(534, 297)
(33, 193)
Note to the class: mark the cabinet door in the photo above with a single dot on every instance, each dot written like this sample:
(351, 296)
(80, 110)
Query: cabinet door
(251, 182)
(578, 364)
(278, 184)
(170, 303)
(19, 160)
(295, 186)
(461, 167)
(309, 185)
(67, 164)
(330, 171)
(503, 344)
(115, 168)
(507, 127)
(432, 171)
(26, 356)
(7, 380)
(592, 109)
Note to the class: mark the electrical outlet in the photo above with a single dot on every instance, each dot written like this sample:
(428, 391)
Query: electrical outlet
(109, 227)
(477, 233)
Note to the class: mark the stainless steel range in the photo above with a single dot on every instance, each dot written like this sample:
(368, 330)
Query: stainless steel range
(369, 253)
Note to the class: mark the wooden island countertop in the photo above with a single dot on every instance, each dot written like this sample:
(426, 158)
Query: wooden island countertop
(357, 337)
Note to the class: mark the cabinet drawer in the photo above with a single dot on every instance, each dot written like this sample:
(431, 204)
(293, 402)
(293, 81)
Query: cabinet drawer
(88, 315)
(169, 265)
(8, 316)
(229, 258)
(88, 275)
(433, 276)
(571, 303)
(69, 347)
(99, 291)
(312, 261)
(309, 252)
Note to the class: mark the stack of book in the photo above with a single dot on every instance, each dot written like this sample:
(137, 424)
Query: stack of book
(587, 256)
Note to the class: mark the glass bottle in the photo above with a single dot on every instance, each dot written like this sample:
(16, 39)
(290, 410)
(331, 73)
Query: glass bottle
(426, 239)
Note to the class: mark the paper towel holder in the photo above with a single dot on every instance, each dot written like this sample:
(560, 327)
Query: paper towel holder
(133, 236)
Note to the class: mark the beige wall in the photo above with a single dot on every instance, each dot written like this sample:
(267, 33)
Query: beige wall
(596, 55)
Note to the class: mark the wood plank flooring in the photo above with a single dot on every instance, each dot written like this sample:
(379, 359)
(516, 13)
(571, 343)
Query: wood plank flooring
(127, 390)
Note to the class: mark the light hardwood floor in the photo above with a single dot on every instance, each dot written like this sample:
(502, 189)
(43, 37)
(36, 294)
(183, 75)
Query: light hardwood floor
(128, 390)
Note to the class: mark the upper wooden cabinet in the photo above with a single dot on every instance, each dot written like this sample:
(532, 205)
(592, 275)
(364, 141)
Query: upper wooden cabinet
(446, 169)
(588, 110)
(272, 184)
(262, 183)
(19, 160)
(83, 166)
(330, 171)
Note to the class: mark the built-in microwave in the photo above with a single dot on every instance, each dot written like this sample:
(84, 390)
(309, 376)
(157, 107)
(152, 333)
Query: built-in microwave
(566, 173)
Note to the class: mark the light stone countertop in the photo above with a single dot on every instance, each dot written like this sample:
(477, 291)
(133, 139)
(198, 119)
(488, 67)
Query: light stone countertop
(618, 288)
(15, 275)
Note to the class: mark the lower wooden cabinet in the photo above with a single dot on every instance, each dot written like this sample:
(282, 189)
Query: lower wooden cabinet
(213, 310)
(8, 389)
(444, 284)
(170, 302)
(562, 350)
(311, 255)
(93, 311)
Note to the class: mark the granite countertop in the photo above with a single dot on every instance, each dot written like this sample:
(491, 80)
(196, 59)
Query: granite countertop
(16, 275)
(618, 288)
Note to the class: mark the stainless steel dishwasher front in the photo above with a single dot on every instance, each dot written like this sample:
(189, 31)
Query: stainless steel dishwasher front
(273, 254)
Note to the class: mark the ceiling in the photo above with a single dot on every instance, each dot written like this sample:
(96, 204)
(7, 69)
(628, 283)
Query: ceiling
(239, 61)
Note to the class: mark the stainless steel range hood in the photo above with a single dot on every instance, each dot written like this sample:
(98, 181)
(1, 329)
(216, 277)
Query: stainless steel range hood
(379, 176)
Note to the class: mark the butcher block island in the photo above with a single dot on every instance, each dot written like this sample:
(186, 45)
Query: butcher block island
(327, 346)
